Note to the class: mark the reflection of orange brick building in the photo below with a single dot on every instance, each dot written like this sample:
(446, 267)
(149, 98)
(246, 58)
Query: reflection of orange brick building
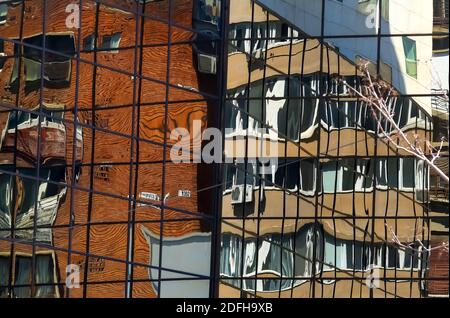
(103, 92)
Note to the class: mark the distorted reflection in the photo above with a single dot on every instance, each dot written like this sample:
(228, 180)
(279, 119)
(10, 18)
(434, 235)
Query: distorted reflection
(285, 260)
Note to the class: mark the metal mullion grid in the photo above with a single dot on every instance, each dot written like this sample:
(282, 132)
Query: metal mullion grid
(337, 165)
(302, 106)
(350, 217)
(74, 148)
(359, 280)
(216, 237)
(149, 16)
(249, 67)
(138, 41)
(113, 69)
(344, 218)
(261, 190)
(350, 276)
(91, 166)
(150, 104)
(285, 167)
(426, 217)
(372, 234)
(414, 201)
(151, 45)
(137, 163)
(13, 216)
(141, 280)
(38, 155)
(326, 104)
(384, 245)
(360, 104)
(396, 206)
(333, 97)
(183, 27)
(62, 226)
(166, 114)
(145, 202)
(26, 242)
(347, 36)
(318, 172)
(111, 195)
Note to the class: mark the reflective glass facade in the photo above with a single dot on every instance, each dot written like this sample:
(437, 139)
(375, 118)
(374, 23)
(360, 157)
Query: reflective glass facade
(306, 197)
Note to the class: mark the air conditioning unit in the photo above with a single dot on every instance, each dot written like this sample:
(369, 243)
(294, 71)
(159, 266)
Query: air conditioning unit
(207, 64)
(237, 194)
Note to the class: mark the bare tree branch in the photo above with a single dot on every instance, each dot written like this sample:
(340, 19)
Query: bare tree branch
(372, 93)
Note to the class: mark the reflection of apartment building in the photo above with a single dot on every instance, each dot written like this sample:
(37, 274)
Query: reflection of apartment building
(116, 187)
(86, 177)
(352, 27)
(322, 218)
(439, 190)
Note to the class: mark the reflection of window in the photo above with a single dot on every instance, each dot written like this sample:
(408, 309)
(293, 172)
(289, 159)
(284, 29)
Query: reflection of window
(2, 54)
(4, 276)
(44, 278)
(23, 119)
(368, 6)
(89, 43)
(346, 175)
(289, 116)
(6, 193)
(277, 32)
(401, 173)
(45, 196)
(276, 258)
(440, 44)
(409, 47)
(3, 12)
(208, 11)
(308, 176)
(111, 42)
(57, 68)
(356, 255)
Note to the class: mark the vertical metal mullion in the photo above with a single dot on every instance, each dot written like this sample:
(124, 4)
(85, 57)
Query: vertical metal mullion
(364, 186)
(318, 172)
(216, 236)
(38, 155)
(13, 206)
(302, 106)
(337, 166)
(246, 146)
(285, 161)
(141, 54)
(74, 145)
(166, 114)
(91, 164)
(372, 234)
(132, 198)
(263, 120)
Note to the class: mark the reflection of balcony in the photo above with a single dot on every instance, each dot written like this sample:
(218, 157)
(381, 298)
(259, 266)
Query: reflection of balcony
(21, 207)
(53, 137)
(439, 99)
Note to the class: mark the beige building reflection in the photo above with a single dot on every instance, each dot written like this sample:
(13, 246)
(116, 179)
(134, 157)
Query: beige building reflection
(319, 224)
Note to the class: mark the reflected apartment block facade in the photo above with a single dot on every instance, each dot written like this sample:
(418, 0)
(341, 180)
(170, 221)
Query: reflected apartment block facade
(86, 114)
(89, 193)
(321, 222)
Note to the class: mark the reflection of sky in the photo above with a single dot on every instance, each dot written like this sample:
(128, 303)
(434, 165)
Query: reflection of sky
(190, 254)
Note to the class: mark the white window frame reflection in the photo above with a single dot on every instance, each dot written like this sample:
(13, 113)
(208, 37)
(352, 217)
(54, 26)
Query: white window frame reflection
(335, 170)
(420, 174)
(274, 102)
(230, 266)
(38, 289)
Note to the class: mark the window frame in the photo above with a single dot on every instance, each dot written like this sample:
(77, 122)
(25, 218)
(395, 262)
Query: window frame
(29, 255)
